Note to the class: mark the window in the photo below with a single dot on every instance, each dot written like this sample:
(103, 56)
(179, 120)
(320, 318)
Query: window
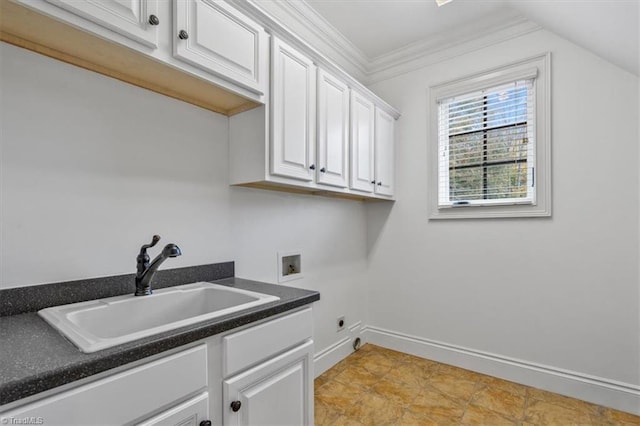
(486, 146)
(489, 144)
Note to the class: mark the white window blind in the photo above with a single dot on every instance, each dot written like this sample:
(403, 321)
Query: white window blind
(486, 146)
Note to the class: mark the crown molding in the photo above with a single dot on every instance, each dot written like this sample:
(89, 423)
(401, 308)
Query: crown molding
(322, 29)
(299, 17)
(303, 20)
(446, 46)
(269, 14)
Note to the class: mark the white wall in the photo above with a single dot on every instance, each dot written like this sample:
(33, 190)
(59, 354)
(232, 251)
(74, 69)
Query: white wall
(91, 168)
(559, 292)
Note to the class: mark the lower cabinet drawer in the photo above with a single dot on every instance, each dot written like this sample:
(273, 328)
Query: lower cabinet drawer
(124, 397)
(189, 413)
(255, 344)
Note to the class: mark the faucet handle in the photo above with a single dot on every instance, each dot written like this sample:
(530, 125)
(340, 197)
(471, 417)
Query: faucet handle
(143, 258)
(154, 241)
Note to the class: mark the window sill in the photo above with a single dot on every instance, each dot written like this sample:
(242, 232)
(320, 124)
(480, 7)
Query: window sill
(489, 212)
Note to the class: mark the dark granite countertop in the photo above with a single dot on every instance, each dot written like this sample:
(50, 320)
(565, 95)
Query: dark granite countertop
(35, 357)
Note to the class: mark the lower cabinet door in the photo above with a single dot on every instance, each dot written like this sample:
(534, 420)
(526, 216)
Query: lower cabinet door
(276, 392)
(189, 413)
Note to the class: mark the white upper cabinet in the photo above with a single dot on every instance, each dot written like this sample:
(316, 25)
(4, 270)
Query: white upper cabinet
(293, 113)
(215, 37)
(221, 63)
(134, 19)
(362, 143)
(384, 153)
(297, 122)
(333, 130)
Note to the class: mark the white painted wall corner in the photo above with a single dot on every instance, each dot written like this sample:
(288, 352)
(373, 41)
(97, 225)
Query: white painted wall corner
(330, 356)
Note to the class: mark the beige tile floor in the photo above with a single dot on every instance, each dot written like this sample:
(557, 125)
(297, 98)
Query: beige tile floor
(377, 386)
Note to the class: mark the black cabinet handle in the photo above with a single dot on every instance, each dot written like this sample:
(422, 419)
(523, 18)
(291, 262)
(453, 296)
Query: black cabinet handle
(323, 170)
(312, 167)
(153, 20)
(235, 406)
(373, 181)
(205, 423)
(380, 183)
(183, 35)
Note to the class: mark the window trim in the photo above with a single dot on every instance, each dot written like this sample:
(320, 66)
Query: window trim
(539, 66)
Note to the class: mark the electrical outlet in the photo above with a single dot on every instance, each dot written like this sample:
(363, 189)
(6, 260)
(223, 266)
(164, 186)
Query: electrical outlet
(341, 323)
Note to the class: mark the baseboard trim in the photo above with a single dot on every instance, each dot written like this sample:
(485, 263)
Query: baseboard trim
(598, 390)
(330, 356)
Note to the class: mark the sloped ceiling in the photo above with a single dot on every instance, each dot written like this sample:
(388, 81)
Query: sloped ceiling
(609, 29)
(378, 28)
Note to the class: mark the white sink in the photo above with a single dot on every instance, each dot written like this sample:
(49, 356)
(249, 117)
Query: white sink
(103, 323)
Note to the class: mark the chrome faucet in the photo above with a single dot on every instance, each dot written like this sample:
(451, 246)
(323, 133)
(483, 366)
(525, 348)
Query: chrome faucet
(146, 269)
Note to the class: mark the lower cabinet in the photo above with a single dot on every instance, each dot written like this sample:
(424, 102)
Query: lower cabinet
(268, 373)
(132, 395)
(257, 375)
(276, 392)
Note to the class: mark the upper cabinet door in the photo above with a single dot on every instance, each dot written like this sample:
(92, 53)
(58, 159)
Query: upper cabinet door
(131, 18)
(293, 113)
(362, 142)
(333, 130)
(215, 37)
(384, 153)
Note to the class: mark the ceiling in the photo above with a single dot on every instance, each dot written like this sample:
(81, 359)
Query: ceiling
(377, 28)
